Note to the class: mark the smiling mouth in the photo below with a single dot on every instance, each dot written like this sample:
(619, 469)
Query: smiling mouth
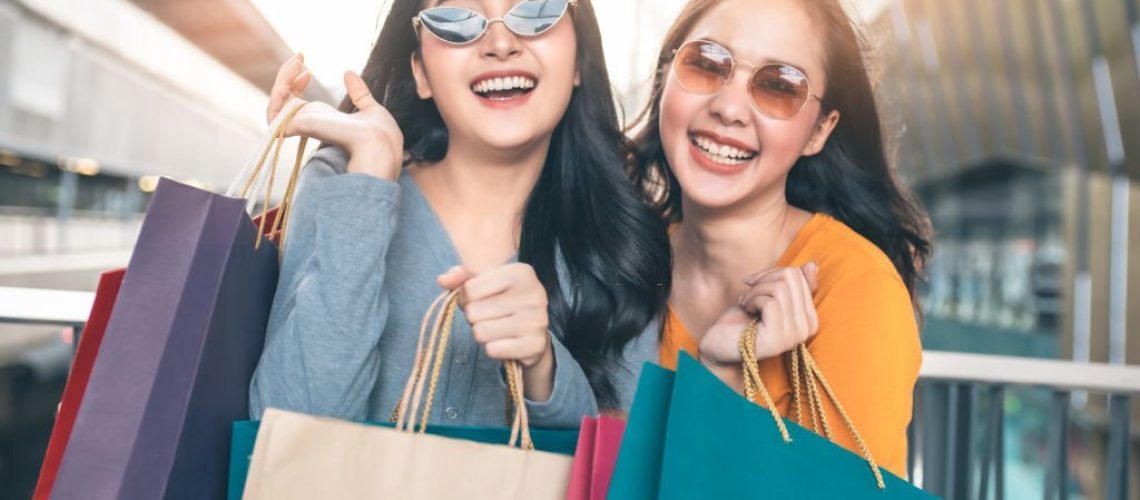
(504, 88)
(721, 153)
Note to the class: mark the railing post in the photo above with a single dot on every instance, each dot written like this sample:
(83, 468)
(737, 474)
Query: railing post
(995, 450)
(961, 439)
(914, 434)
(1118, 443)
(935, 436)
(1057, 453)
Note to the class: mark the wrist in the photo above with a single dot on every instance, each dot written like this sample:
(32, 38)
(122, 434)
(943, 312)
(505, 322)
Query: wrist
(543, 362)
(373, 158)
(538, 375)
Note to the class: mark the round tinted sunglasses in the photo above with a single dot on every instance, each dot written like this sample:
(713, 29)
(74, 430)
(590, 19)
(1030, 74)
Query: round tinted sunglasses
(460, 26)
(778, 91)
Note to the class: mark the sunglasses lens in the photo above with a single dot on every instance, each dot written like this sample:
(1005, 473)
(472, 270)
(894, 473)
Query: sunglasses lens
(779, 91)
(453, 24)
(702, 67)
(535, 17)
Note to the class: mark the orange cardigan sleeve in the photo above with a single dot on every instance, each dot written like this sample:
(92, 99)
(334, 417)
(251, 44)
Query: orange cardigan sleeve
(869, 350)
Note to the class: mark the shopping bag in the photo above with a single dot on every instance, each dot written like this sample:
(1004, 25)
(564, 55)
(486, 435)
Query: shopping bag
(594, 458)
(85, 353)
(301, 457)
(720, 445)
(691, 436)
(173, 368)
(560, 441)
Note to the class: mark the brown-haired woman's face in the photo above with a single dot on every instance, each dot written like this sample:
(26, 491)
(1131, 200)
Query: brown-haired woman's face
(501, 91)
(721, 147)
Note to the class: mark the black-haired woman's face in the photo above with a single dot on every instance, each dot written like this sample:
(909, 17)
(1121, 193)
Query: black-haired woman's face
(502, 91)
(722, 146)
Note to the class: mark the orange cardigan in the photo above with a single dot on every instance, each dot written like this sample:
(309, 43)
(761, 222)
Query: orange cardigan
(867, 346)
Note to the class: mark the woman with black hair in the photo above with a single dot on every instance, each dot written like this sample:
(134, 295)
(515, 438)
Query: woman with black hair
(765, 149)
(489, 162)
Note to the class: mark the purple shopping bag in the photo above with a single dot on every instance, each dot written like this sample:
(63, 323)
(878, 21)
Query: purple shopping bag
(173, 371)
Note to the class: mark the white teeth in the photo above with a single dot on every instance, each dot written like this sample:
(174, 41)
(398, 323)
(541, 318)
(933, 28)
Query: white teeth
(721, 153)
(505, 83)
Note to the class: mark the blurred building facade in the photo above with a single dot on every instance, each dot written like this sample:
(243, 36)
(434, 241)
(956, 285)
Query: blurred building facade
(97, 98)
(1019, 128)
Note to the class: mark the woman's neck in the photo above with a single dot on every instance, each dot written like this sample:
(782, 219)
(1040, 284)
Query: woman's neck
(718, 248)
(479, 196)
(481, 182)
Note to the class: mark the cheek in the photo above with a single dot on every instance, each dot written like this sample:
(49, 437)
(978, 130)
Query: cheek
(443, 66)
(557, 54)
(783, 141)
(678, 110)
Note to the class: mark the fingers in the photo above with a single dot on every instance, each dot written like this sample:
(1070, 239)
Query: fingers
(522, 336)
(759, 276)
(358, 91)
(297, 89)
(500, 280)
(515, 348)
(811, 274)
(809, 305)
(783, 300)
(287, 75)
(492, 308)
(810, 271)
(522, 324)
(454, 278)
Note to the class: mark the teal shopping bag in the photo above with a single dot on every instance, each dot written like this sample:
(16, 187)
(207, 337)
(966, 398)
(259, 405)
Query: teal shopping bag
(720, 445)
(561, 441)
(691, 436)
(637, 473)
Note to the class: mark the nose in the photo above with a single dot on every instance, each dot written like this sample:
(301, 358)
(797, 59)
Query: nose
(732, 105)
(499, 42)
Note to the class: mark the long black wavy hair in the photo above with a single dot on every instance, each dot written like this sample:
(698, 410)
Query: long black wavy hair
(850, 179)
(583, 207)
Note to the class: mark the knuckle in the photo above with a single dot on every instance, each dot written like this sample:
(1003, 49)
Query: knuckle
(474, 311)
(479, 332)
(492, 351)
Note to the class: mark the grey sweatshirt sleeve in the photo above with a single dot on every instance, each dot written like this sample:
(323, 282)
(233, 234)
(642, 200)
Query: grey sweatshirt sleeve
(571, 398)
(330, 309)
(643, 349)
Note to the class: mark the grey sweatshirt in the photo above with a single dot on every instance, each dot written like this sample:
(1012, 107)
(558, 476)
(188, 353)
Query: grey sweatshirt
(359, 273)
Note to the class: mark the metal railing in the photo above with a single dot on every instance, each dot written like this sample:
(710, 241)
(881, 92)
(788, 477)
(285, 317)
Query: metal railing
(945, 452)
(946, 449)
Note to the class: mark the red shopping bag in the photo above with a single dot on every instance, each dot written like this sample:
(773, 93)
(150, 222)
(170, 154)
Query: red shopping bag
(598, 443)
(89, 341)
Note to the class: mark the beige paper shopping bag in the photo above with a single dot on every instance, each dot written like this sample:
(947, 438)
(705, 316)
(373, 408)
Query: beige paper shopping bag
(304, 457)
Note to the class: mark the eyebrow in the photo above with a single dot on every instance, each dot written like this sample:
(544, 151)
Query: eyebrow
(763, 62)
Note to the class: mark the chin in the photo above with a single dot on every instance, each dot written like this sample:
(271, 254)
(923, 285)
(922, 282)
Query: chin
(513, 140)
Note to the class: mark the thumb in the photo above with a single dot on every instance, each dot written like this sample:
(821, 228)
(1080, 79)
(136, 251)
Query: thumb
(358, 91)
(811, 273)
(734, 315)
(299, 84)
(454, 277)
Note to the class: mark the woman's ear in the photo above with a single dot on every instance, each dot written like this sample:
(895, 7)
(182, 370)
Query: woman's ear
(823, 129)
(423, 87)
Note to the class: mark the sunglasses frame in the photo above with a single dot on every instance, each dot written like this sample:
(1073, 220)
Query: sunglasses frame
(732, 72)
(418, 22)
